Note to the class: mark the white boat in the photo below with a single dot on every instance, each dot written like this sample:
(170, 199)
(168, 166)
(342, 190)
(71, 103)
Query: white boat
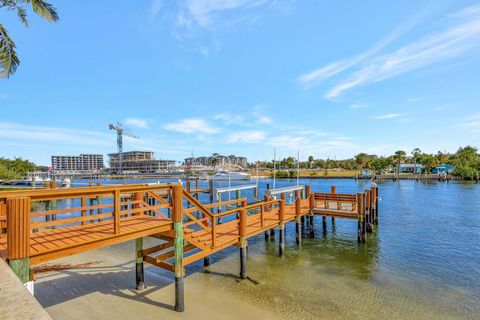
(224, 175)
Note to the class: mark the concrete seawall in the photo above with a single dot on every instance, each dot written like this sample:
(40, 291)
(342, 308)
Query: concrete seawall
(15, 300)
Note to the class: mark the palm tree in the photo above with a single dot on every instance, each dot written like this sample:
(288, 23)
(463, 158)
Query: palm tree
(9, 60)
(415, 153)
(310, 161)
(214, 162)
(399, 157)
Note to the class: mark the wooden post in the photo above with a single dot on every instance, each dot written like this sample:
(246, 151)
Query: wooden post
(281, 233)
(177, 216)
(333, 190)
(91, 200)
(138, 196)
(255, 193)
(376, 204)
(368, 210)
(361, 217)
(196, 183)
(116, 211)
(18, 236)
(242, 228)
(238, 196)
(206, 260)
(266, 198)
(99, 201)
(298, 223)
(140, 279)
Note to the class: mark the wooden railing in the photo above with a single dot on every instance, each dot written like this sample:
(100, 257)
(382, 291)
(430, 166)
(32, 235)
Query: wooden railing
(36, 210)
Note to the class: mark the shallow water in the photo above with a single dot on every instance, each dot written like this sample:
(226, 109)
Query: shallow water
(421, 262)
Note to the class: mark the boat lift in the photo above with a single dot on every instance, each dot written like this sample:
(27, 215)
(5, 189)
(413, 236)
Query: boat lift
(237, 189)
(290, 191)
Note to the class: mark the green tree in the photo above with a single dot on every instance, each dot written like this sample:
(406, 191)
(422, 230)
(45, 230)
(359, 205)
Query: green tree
(379, 164)
(429, 162)
(9, 60)
(363, 160)
(399, 158)
(214, 162)
(310, 161)
(415, 153)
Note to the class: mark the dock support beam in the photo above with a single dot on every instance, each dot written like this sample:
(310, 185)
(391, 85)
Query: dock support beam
(281, 230)
(333, 189)
(18, 236)
(362, 235)
(243, 258)
(242, 230)
(298, 237)
(178, 264)
(140, 280)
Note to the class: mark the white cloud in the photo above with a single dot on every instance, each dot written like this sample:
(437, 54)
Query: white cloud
(472, 123)
(389, 116)
(136, 122)
(441, 46)
(49, 135)
(191, 126)
(246, 137)
(228, 118)
(462, 35)
(316, 76)
(206, 13)
(358, 106)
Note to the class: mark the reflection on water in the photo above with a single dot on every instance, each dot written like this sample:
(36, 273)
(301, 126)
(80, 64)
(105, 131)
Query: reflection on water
(422, 262)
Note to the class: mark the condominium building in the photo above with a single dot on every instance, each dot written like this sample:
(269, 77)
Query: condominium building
(220, 160)
(83, 162)
(139, 161)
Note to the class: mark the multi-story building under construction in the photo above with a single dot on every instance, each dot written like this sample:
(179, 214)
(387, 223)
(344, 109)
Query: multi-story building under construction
(139, 161)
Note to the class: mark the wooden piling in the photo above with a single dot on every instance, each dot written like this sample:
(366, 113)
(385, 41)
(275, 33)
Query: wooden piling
(139, 274)
(177, 216)
(242, 228)
(333, 189)
(281, 232)
(368, 211)
(361, 218)
(18, 236)
(298, 224)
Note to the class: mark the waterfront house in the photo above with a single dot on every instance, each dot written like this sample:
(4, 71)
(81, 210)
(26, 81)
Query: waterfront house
(443, 168)
(411, 168)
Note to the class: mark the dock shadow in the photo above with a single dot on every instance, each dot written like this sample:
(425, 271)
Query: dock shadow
(65, 285)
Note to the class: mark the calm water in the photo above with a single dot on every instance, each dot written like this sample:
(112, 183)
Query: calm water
(421, 262)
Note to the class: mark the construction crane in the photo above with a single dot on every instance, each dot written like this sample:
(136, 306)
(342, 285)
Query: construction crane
(120, 133)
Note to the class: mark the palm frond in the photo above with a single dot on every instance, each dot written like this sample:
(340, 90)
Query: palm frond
(13, 5)
(22, 15)
(44, 10)
(8, 57)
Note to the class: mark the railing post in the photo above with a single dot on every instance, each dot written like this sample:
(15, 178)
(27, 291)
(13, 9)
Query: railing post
(177, 215)
(265, 208)
(116, 211)
(298, 224)
(281, 232)
(310, 216)
(18, 236)
(138, 196)
(242, 229)
(99, 202)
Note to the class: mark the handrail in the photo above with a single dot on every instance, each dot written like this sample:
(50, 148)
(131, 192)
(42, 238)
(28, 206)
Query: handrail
(48, 194)
(196, 203)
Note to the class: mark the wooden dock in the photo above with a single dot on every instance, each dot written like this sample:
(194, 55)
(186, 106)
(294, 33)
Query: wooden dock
(34, 228)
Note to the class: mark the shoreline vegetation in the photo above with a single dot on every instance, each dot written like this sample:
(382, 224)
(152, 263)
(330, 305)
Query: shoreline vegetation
(466, 163)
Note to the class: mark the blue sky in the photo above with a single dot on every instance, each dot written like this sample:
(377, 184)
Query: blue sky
(329, 79)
